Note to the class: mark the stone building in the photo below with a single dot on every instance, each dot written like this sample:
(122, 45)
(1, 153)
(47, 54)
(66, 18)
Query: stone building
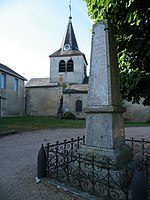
(68, 79)
(68, 68)
(42, 97)
(12, 94)
(68, 64)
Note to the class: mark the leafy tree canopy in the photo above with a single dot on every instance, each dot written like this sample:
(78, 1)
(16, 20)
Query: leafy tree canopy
(131, 19)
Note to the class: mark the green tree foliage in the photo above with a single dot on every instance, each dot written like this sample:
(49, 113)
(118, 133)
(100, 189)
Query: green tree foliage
(131, 19)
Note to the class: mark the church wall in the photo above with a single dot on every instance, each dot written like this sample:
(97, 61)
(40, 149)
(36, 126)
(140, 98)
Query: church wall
(68, 77)
(54, 63)
(69, 103)
(42, 101)
(134, 112)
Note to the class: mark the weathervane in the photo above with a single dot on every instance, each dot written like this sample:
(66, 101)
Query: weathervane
(70, 10)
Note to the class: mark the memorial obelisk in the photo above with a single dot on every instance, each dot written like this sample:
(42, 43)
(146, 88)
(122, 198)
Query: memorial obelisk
(105, 135)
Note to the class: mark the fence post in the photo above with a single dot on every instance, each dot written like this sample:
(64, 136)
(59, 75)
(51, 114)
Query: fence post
(41, 164)
(139, 185)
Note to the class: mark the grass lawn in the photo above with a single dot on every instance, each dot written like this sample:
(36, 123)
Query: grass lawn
(17, 124)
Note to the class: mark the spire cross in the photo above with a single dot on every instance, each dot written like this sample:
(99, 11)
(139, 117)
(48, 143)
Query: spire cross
(70, 10)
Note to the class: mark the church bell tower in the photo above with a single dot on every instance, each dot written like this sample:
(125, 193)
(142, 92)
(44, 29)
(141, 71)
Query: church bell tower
(68, 64)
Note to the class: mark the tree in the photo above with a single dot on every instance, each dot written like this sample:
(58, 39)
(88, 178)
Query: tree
(131, 20)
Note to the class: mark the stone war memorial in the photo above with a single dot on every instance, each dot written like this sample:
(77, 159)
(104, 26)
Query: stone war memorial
(105, 127)
(99, 165)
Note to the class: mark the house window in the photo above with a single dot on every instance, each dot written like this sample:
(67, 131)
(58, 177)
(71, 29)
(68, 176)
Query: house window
(62, 65)
(15, 84)
(70, 65)
(3, 81)
(79, 105)
(85, 70)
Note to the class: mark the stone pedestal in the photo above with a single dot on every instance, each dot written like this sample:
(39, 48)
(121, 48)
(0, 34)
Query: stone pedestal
(105, 128)
(119, 156)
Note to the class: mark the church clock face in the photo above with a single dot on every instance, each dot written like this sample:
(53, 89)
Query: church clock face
(67, 46)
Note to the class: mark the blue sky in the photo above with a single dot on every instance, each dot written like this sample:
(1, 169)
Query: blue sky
(31, 30)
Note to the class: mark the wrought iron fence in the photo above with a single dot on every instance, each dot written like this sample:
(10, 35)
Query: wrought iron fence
(140, 148)
(101, 178)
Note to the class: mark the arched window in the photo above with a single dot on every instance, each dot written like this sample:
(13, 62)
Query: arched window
(62, 65)
(79, 105)
(70, 65)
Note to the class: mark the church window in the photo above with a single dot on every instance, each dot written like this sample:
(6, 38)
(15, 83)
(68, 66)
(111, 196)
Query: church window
(79, 105)
(62, 65)
(70, 65)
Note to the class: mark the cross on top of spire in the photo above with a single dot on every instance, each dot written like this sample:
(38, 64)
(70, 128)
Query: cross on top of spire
(70, 10)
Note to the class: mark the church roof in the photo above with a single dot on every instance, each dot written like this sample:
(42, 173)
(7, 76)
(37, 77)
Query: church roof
(7, 70)
(62, 53)
(40, 82)
(69, 38)
(69, 46)
(76, 88)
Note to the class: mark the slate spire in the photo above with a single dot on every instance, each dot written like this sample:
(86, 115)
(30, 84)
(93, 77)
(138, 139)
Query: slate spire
(69, 41)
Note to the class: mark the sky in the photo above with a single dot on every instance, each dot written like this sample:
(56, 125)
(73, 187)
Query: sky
(31, 30)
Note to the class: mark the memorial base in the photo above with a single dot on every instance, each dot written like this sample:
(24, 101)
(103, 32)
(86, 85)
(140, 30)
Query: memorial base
(120, 155)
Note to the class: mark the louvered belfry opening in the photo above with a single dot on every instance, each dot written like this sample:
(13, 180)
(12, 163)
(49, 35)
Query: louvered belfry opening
(70, 66)
(62, 65)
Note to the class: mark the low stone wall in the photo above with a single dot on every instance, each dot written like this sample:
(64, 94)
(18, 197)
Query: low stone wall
(136, 112)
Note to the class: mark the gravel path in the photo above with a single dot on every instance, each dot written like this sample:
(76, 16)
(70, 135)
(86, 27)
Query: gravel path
(18, 157)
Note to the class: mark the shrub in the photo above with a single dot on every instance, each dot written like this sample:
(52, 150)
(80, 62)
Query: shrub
(68, 115)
